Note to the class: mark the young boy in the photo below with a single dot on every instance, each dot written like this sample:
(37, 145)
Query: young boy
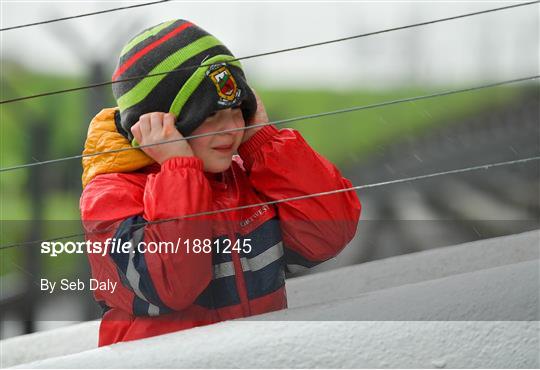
(220, 265)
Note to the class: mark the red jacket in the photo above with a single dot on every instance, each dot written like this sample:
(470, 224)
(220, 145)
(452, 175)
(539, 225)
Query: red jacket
(160, 292)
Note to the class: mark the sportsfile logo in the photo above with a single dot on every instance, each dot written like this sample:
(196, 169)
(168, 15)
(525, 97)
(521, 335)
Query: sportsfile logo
(115, 246)
(252, 218)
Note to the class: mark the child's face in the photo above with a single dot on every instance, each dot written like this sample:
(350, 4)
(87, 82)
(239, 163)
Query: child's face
(207, 147)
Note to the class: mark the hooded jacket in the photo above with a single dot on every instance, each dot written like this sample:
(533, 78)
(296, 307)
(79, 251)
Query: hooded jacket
(214, 266)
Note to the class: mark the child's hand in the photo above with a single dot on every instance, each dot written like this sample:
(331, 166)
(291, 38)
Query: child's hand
(259, 117)
(157, 127)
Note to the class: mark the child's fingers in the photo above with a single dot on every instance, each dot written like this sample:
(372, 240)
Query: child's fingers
(260, 115)
(257, 97)
(144, 124)
(169, 126)
(156, 121)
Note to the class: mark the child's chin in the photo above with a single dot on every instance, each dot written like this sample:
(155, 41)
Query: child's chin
(218, 166)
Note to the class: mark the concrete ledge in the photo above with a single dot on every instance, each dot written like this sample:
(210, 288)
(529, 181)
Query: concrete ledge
(46, 344)
(504, 293)
(386, 344)
(412, 268)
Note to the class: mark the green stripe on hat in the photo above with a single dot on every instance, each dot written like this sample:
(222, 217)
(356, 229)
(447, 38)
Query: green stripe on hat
(147, 84)
(143, 36)
(195, 80)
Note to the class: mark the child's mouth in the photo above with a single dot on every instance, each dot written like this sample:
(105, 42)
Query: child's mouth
(223, 148)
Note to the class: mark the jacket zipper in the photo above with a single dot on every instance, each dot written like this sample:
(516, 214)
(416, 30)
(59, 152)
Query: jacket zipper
(240, 281)
(238, 270)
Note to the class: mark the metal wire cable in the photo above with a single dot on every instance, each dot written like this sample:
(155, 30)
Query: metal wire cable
(283, 121)
(106, 83)
(81, 15)
(301, 197)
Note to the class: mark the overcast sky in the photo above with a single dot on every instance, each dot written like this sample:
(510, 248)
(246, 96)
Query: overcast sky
(494, 46)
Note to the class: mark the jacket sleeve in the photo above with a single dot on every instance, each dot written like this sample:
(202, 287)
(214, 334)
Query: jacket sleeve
(280, 164)
(152, 282)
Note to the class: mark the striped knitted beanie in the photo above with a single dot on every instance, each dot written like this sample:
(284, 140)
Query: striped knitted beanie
(192, 94)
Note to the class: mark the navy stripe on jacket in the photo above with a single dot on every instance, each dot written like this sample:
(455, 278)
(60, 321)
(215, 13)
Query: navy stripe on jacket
(263, 266)
(221, 292)
(133, 270)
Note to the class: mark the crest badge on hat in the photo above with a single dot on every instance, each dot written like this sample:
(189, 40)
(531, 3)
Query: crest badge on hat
(225, 83)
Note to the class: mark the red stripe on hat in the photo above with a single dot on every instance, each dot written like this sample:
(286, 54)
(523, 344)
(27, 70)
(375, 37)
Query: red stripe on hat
(148, 48)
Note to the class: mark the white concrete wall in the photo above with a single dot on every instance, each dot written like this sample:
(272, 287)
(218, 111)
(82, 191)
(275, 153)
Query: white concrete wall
(398, 344)
(412, 268)
(495, 279)
(46, 344)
